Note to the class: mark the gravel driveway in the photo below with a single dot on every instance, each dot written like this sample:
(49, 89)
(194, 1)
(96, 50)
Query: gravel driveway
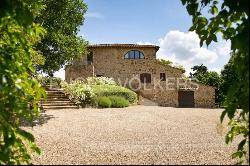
(134, 135)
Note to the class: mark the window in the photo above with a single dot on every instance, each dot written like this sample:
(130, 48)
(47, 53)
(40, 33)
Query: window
(90, 58)
(134, 54)
(131, 55)
(145, 78)
(99, 75)
(163, 76)
(126, 56)
(137, 55)
(141, 55)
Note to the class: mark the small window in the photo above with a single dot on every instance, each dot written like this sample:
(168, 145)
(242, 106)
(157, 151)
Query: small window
(90, 58)
(134, 54)
(145, 78)
(163, 76)
(99, 75)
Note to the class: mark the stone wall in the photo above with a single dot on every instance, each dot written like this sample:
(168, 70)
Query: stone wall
(110, 62)
(204, 96)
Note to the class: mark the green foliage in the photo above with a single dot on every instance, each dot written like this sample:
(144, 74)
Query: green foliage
(209, 78)
(164, 62)
(19, 91)
(104, 102)
(80, 93)
(231, 19)
(118, 102)
(169, 63)
(181, 67)
(113, 90)
(198, 70)
(62, 20)
(240, 127)
(100, 81)
(49, 80)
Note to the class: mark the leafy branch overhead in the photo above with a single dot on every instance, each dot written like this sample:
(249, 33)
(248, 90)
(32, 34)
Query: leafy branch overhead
(20, 93)
(230, 18)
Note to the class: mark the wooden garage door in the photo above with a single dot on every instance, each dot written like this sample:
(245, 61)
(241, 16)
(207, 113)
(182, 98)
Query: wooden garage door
(186, 99)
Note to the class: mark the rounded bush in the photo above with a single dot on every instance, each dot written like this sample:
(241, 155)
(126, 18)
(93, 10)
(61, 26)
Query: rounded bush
(119, 102)
(114, 90)
(104, 102)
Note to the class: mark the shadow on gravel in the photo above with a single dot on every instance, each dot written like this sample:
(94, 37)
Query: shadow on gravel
(42, 119)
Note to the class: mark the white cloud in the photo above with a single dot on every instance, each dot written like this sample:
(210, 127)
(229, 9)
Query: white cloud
(94, 15)
(216, 69)
(144, 43)
(184, 48)
(223, 49)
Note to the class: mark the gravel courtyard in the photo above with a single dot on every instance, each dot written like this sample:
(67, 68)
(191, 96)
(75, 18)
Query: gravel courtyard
(134, 135)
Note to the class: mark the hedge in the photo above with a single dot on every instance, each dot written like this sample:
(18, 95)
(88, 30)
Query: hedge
(114, 90)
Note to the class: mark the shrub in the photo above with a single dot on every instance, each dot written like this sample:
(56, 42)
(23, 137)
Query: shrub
(83, 94)
(104, 102)
(79, 93)
(49, 80)
(164, 62)
(113, 90)
(100, 81)
(119, 102)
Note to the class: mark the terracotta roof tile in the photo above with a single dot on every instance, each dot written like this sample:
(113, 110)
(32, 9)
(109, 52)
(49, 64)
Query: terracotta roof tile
(124, 45)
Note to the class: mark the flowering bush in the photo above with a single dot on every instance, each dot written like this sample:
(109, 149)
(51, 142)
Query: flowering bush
(49, 80)
(79, 93)
(82, 94)
(100, 81)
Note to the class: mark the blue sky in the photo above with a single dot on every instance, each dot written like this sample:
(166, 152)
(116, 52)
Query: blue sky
(159, 22)
(130, 21)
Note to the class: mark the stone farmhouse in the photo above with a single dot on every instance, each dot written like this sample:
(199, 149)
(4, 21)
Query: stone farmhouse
(136, 67)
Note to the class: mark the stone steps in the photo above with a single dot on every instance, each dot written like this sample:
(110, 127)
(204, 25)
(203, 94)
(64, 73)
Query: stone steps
(147, 98)
(56, 99)
(60, 107)
(58, 104)
(147, 102)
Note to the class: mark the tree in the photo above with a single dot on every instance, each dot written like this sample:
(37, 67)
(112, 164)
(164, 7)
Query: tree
(198, 70)
(170, 63)
(209, 78)
(231, 19)
(62, 20)
(164, 62)
(19, 91)
(228, 75)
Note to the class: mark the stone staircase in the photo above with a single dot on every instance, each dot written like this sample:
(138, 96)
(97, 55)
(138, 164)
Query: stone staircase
(56, 99)
(147, 98)
(147, 102)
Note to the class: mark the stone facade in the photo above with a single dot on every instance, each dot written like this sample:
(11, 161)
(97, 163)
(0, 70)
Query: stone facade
(109, 61)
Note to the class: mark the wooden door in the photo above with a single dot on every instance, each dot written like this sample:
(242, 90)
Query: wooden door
(186, 99)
